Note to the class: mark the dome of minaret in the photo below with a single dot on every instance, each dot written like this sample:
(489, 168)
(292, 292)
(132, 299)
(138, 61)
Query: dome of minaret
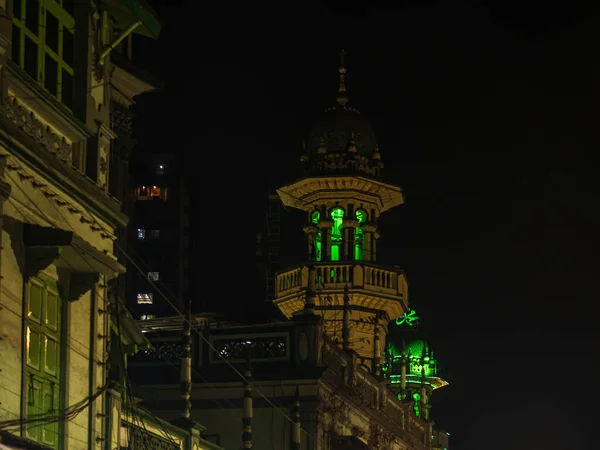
(337, 126)
(342, 140)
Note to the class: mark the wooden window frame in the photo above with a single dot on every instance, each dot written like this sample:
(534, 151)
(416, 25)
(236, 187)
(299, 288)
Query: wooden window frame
(65, 20)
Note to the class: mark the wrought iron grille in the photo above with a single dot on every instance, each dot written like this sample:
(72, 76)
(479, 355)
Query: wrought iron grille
(257, 347)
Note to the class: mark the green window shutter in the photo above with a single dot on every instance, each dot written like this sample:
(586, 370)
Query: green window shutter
(43, 360)
(34, 407)
(34, 349)
(51, 356)
(49, 430)
(35, 303)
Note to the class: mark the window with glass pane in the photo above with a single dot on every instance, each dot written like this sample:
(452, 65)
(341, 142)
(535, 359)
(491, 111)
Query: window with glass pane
(43, 344)
(43, 44)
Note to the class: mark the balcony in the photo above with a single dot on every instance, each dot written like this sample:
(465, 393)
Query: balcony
(370, 284)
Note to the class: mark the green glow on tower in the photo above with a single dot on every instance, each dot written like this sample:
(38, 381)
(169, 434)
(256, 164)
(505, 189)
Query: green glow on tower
(337, 215)
(361, 217)
(409, 319)
(417, 361)
(417, 399)
(316, 216)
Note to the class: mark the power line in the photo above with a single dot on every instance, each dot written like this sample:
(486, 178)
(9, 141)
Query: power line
(178, 312)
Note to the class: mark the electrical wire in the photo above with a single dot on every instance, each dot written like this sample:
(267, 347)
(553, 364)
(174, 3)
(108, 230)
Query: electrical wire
(172, 305)
(67, 414)
(185, 319)
(134, 406)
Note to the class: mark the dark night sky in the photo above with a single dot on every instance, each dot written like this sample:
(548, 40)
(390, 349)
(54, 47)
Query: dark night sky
(485, 115)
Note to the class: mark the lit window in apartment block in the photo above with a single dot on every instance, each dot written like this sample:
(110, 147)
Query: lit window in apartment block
(160, 169)
(153, 276)
(145, 299)
(147, 316)
(141, 234)
(151, 193)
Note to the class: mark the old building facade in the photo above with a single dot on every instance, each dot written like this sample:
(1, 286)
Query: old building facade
(59, 90)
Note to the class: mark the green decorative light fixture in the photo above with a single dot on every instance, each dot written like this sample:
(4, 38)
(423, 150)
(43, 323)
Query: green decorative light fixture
(409, 319)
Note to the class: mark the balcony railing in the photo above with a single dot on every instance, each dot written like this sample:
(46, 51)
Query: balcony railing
(335, 276)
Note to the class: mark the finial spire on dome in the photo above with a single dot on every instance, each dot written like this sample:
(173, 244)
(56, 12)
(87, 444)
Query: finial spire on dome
(342, 98)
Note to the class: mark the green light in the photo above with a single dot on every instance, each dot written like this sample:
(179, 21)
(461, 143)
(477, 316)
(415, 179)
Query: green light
(418, 369)
(316, 216)
(337, 215)
(420, 362)
(409, 319)
(361, 216)
(416, 398)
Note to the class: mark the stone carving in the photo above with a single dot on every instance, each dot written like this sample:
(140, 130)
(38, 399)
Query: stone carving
(344, 163)
(43, 134)
(97, 66)
(121, 119)
(366, 392)
(103, 165)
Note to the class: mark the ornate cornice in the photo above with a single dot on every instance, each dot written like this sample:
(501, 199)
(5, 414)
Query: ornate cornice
(61, 201)
(43, 134)
(310, 191)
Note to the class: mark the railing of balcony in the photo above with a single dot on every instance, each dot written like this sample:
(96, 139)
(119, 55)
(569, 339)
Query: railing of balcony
(330, 275)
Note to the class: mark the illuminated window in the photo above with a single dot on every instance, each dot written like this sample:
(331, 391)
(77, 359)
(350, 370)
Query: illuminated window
(43, 44)
(155, 191)
(337, 215)
(361, 217)
(141, 233)
(160, 169)
(145, 299)
(43, 354)
(153, 234)
(153, 276)
(151, 193)
(147, 316)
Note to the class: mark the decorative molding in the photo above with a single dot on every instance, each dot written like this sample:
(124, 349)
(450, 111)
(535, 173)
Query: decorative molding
(44, 135)
(121, 119)
(314, 191)
(47, 190)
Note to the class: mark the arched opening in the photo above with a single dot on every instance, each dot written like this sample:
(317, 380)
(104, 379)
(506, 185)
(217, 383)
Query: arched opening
(337, 215)
(359, 239)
